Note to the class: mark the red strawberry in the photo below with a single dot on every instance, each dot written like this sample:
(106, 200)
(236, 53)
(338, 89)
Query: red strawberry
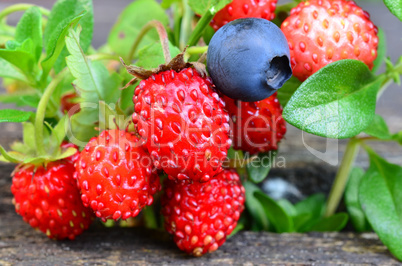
(73, 158)
(115, 175)
(320, 32)
(182, 120)
(48, 199)
(68, 105)
(244, 9)
(257, 126)
(201, 215)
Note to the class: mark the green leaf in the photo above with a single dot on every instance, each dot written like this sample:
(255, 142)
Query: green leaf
(380, 196)
(16, 116)
(381, 51)
(287, 206)
(338, 101)
(237, 229)
(300, 220)
(167, 3)
(151, 56)
(395, 7)
(130, 23)
(64, 11)
(398, 137)
(378, 128)
(30, 27)
(11, 157)
(313, 207)
(275, 213)
(286, 91)
(55, 44)
(258, 169)
(7, 70)
(21, 57)
(334, 223)
(255, 208)
(201, 6)
(355, 211)
(59, 131)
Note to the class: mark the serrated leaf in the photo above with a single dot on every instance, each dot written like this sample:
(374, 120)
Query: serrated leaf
(275, 213)
(378, 128)
(352, 203)
(151, 56)
(30, 27)
(395, 7)
(381, 50)
(201, 6)
(258, 169)
(255, 208)
(16, 116)
(130, 23)
(338, 101)
(64, 11)
(286, 91)
(333, 223)
(55, 43)
(380, 196)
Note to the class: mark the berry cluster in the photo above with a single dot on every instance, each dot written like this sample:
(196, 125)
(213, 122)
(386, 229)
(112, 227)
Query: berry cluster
(184, 122)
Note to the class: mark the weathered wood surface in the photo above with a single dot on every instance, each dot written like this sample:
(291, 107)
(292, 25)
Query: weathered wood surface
(21, 245)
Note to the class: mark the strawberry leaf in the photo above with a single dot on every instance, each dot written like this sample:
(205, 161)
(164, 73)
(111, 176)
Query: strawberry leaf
(201, 6)
(7, 70)
(395, 7)
(338, 101)
(16, 116)
(30, 27)
(380, 196)
(151, 56)
(130, 23)
(378, 128)
(381, 51)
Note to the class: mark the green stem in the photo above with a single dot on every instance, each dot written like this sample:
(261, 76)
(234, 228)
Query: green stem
(200, 27)
(41, 111)
(163, 36)
(196, 50)
(177, 15)
(342, 176)
(185, 28)
(149, 217)
(21, 7)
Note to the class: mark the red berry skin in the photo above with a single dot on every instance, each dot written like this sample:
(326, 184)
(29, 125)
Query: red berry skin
(115, 175)
(202, 215)
(49, 200)
(182, 121)
(244, 9)
(257, 126)
(320, 32)
(67, 105)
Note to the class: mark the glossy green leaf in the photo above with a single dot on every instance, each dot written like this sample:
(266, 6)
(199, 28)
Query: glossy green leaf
(16, 116)
(378, 128)
(55, 44)
(258, 169)
(151, 56)
(62, 13)
(380, 196)
(338, 101)
(286, 91)
(381, 51)
(130, 23)
(30, 27)
(201, 6)
(313, 207)
(275, 213)
(255, 208)
(395, 7)
(352, 203)
(333, 223)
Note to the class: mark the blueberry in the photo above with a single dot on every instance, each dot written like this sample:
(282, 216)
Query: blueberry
(248, 59)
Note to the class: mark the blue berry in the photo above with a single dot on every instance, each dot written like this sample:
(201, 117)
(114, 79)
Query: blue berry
(248, 59)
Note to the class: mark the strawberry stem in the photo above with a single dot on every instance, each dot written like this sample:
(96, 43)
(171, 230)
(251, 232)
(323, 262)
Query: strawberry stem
(185, 26)
(200, 27)
(41, 111)
(163, 36)
(196, 50)
(21, 7)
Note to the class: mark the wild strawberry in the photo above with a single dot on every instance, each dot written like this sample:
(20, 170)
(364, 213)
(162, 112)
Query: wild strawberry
(244, 9)
(115, 175)
(182, 121)
(67, 104)
(201, 215)
(48, 199)
(73, 158)
(320, 32)
(257, 126)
